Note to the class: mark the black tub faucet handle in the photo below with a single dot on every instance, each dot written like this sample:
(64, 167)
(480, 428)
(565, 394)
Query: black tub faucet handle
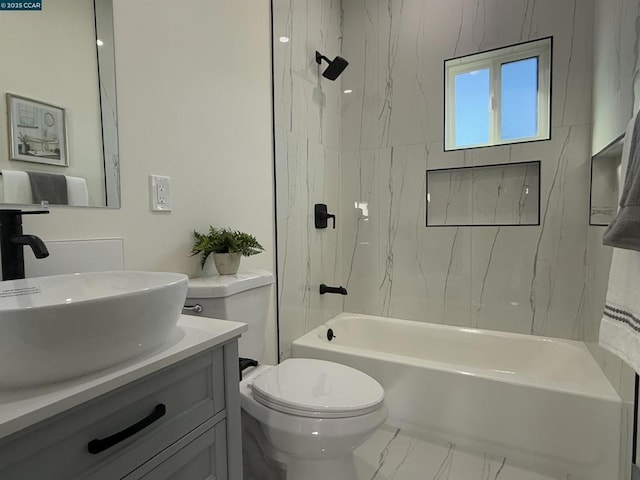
(321, 216)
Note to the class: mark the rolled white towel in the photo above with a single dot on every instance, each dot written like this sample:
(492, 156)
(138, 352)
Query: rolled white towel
(77, 192)
(16, 187)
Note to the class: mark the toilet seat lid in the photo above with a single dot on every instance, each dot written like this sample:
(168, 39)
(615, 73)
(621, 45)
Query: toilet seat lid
(317, 388)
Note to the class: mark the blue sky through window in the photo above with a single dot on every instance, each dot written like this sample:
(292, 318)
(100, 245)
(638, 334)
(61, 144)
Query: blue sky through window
(519, 116)
(498, 96)
(472, 108)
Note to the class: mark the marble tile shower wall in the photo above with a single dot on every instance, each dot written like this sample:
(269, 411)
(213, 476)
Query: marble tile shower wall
(616, 97)
(616, 67)
(307, 130)
(519, 279)
(460, 196)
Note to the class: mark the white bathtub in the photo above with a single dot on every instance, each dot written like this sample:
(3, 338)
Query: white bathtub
(542, 402)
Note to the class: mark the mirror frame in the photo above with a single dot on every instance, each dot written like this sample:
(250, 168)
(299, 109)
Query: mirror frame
(102, 26)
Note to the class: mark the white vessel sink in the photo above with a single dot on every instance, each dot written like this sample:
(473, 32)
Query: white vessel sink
(63, 326)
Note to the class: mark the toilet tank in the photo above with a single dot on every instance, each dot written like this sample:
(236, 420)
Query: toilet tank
(243, 297)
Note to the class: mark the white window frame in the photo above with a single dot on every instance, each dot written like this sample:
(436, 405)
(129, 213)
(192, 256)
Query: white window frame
(493, 60)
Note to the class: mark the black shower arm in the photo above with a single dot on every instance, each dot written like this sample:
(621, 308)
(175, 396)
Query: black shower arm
(320, 57)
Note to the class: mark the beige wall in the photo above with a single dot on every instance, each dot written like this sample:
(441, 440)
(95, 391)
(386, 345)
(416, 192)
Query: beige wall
(194, 101)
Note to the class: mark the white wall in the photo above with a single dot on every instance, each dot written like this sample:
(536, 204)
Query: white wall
(194, 103)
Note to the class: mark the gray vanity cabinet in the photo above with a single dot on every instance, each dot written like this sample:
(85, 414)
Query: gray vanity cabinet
(190, 413)
(200, 458)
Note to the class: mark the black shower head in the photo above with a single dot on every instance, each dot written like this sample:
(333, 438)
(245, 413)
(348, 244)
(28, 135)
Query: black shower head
(335, 68)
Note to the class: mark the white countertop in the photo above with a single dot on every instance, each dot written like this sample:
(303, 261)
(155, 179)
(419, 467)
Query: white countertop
(21, 408)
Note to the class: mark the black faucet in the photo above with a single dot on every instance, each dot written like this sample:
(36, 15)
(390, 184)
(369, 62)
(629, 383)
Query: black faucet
(12, 242)
(338, 290)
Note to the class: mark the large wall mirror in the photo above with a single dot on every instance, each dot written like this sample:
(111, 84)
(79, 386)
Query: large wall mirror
(58, 125)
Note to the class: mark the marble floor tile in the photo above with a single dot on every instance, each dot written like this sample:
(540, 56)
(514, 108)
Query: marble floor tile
(391, 454)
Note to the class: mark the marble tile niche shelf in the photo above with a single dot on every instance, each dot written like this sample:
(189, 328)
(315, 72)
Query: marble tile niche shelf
(484, 195)
(605, 183)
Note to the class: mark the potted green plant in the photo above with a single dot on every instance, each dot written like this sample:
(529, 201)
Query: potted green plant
(227, 247)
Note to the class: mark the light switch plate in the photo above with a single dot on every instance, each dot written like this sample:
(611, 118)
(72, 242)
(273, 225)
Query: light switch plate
(160, 193)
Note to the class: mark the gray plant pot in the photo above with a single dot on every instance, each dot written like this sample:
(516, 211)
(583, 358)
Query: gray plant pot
(227, 263)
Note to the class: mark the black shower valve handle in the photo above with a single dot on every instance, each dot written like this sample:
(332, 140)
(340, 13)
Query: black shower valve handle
(322, 216)
(333, 219)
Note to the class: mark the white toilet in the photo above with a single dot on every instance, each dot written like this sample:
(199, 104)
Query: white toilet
(302, 419)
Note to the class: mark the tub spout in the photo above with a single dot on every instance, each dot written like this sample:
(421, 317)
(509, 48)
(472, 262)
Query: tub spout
(337, 290)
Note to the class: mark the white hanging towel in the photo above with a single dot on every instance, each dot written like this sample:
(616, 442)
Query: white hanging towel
(16, 187)
(620, 326)
(77, 192)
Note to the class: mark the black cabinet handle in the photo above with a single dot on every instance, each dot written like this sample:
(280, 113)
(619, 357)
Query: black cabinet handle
(101, 444)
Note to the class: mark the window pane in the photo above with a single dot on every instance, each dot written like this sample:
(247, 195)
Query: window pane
(519, 99)
(472, 108)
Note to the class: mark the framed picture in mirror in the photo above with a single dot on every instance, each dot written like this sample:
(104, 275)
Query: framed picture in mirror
(37, 131)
